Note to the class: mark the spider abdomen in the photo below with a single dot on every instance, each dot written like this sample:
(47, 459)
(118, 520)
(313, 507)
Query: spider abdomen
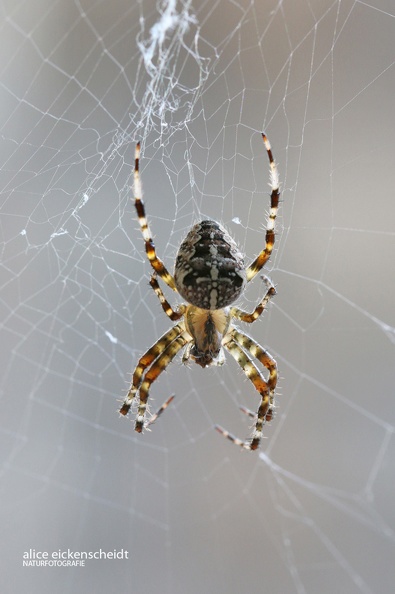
(209, 271)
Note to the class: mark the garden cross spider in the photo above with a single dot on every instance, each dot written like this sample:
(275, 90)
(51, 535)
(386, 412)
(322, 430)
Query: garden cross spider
(210, 275)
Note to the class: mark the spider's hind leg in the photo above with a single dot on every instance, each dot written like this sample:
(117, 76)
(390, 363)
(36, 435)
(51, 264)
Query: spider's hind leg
(232, 438)
(159, 411)
(146, 361)
(241, 347)
(158, 366)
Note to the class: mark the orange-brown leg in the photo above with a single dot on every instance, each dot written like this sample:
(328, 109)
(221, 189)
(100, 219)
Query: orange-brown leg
(235, 345)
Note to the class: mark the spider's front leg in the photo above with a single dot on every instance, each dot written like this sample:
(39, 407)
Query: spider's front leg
(265, 254)
(154, 260)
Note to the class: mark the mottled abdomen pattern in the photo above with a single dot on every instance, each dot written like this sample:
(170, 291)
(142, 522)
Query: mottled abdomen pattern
(209, 271)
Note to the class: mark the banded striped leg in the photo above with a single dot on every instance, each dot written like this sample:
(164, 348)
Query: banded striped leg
(169, 311)
(235, 346)
(244, 316)
(159, 411)
(146, 360)
(155, 262)
(152, 374)
(263, 257)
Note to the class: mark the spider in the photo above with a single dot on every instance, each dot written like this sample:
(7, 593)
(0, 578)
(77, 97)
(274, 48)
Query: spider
(210, 275)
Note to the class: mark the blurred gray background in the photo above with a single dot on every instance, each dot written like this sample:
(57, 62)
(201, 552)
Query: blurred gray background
(196, 82)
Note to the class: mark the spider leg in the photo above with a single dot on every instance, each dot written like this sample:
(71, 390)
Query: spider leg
(159, 411)
(155, 262)
(265, 413)
(235, 345)
(232, 438)
(153, 373)
(146, 360)
(264, 255)
(169, 311)
(187, 353)
(244, 316)
(248, 412)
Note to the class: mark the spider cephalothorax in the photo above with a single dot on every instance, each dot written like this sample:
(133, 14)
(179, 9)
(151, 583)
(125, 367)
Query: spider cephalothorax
(207, 329)
(210, 275)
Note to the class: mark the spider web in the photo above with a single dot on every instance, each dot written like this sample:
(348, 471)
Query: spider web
(197, 82)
